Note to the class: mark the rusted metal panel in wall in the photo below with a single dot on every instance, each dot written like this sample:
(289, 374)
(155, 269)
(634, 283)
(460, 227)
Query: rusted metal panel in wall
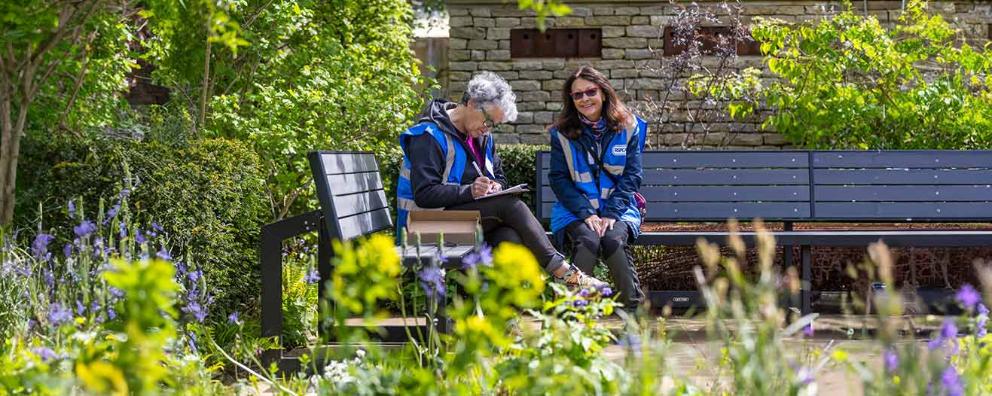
(555, 43)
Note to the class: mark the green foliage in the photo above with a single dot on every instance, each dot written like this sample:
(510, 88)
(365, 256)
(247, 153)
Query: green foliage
(207, 195)
(518, 164)
(849, 82)
(314, 75)
(544, 8)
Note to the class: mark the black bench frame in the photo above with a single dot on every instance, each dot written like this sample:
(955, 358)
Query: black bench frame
(877, 177)
(352, 204)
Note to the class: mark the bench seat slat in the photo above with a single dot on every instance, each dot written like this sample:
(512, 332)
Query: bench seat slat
(908, 159)
(725, 159)
(903, 193)
(903, 176)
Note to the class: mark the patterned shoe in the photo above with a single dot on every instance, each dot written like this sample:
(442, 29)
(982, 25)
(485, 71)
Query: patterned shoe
(574, 278)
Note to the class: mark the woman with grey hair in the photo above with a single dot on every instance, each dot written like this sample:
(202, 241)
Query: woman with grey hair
(450, 161)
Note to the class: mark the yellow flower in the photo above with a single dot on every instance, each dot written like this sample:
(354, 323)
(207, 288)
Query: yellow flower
(102, 377)
(516, 269)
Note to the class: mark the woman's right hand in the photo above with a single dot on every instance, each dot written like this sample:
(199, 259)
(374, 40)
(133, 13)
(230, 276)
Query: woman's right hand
(595, 223)
(481, 187)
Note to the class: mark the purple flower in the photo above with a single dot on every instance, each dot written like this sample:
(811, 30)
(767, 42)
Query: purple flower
(891, 360)
(84, 229)
(157, 227)
(952, 382)
(194, 276)
(44, 353)
(312, 277)
(123, 230)
(116, 293)
(482, 255)
(432, 281)
(57, 314)
(39, 248)
(194, 308)
(111, 313)
(808, 330)
(67, 250)
(968, 297)
(579, 303)
(605, 291)
(139, 237)
(49, 279)
(163, 254)
(948, 331)
(584, 293)
(111, 213)
(233, 318)
(80, 308)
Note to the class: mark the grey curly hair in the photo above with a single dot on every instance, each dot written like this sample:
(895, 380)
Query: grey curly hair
(489, 89)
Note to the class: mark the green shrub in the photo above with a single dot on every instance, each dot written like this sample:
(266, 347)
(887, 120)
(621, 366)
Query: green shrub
(518, 164)
(208, 196)
(850, 82)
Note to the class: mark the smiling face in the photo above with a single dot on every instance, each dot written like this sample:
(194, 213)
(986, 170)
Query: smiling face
(588, 98)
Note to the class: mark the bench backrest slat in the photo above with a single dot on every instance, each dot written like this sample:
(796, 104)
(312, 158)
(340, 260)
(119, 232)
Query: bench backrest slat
(869, 186)
(350, 191)
(715, 185)
(930, 185)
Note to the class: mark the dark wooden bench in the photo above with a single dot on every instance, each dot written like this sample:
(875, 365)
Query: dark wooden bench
(808, 187)
(352, 204)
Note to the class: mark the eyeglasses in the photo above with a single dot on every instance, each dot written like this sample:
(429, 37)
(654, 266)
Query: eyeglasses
(591, 92)
(488, 123)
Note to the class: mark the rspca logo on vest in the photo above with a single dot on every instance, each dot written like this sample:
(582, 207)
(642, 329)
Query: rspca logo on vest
(619, 150)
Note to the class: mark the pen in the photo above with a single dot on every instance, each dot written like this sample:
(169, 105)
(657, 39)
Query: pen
(476, 165)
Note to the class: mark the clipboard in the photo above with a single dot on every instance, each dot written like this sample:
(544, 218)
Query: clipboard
(517, 189)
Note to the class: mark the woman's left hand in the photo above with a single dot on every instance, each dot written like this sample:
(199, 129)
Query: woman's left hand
(608, 222)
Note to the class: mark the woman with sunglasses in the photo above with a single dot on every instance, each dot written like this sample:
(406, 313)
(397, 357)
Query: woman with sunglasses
(596, 145)
(450, 161)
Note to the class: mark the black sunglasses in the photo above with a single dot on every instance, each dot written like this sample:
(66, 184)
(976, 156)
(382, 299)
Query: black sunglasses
(591, 92)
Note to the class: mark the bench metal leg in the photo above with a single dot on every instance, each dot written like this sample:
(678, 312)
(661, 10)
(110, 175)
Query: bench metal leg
(806, 279)
(271, 265)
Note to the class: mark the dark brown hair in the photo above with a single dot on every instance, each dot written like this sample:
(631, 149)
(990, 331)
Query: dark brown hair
(616, 113)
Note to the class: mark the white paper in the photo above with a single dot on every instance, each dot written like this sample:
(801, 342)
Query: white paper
(517, 189)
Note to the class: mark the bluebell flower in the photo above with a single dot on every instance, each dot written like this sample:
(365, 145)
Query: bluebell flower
(139, 237)
(67, 250)
(163, 254)
(968, 297)
(584, 292)
(312, 277)
(605, 291)
(111, 213)
(84, 229)
(116, 293)
(57, 314)
(49, 279)
(432, 281)
(194, 308)
(39, 248)
(948, 331)
(44, 353)
(233, 318)
(890, 360)
(194, 276)
(123, 230)
(124, 193)
(157, 227)
(111, 313)
(952, 382)
(483, 255)
(982, 323)
(72, 209)
(80, 308)
(579, 303)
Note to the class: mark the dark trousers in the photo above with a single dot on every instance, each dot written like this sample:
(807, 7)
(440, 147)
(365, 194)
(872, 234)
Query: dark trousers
(587, 248)
(508, 219)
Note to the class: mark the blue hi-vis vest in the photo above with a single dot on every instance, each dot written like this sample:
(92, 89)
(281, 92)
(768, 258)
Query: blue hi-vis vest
(580, 168)
(455, 159)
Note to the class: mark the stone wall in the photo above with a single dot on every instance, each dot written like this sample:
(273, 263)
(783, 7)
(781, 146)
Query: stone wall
(632, 59)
